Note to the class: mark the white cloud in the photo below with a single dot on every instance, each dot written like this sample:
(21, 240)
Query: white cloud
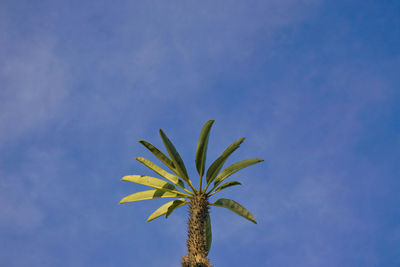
(34, 86)
(18, 210)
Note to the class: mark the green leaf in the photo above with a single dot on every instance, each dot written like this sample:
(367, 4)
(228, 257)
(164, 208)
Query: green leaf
(226, 185)
(234, 168)
(161, 156)
(201, 149)
(149, 194)
(149, 181)
(175, 204)
(153, 182)
(235, 207)
(219, 162)
(176, 158)
(173, 178)
(162, 210)
(208, 233)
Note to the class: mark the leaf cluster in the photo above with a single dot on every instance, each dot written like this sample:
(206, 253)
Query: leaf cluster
(178, 184)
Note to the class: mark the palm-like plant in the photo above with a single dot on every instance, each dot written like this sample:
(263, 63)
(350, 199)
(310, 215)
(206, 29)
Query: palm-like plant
(199, 224)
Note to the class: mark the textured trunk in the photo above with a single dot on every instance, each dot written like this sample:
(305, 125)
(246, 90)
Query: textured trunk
(196, 243)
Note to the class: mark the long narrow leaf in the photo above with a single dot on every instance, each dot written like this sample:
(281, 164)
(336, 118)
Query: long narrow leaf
(235, 207)
(226, 185)
(149, 194)
(219, 162)
(234, 168)
(176, 158)
(175, 204)
(153, 182)
(161, 156)
(201, 150)
(161, 210)
(149, 181)
(173, 178)
(208, 233)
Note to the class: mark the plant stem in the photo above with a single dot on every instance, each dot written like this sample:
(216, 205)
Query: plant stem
(196, 243)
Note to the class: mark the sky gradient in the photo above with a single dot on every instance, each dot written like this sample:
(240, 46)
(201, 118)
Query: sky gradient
(313, 85)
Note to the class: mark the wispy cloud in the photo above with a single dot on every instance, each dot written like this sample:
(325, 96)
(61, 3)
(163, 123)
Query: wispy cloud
(34, 86)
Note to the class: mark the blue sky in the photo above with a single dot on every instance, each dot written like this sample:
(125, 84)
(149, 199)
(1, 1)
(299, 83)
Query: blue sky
(313, 86)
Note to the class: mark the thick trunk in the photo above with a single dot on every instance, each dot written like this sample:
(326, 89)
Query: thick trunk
(196, 243)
